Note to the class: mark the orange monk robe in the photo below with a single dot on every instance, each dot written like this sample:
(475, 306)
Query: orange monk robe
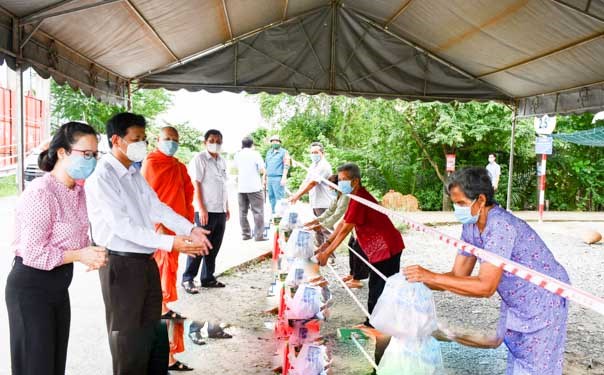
(168, 177)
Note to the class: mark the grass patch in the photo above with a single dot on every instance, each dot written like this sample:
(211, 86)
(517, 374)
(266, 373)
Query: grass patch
(8, 186)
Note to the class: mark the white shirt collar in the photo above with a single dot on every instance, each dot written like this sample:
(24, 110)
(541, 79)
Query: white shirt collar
(119, 167)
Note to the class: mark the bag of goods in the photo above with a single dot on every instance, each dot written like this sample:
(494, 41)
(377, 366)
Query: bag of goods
(405, 309)
(412, 357)
(306, 303)
(311, 360)
(300, 245)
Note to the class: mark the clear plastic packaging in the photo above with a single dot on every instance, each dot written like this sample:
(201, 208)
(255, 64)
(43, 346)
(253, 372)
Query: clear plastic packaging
(405, 309)
(300, 245)
(311, 360)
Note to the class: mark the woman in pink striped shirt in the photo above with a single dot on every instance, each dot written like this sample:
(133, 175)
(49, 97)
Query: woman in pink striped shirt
(51, 233)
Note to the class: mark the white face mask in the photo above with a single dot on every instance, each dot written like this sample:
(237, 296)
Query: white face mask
(213, 148)
(137, 151)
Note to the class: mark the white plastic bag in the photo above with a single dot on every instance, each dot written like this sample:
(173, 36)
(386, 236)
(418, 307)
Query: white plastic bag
(405, 310)
(281, 207)
(304, 332)
(412, 357)
(300, 245)
(297, 273)
(306, 303)
(311, 360)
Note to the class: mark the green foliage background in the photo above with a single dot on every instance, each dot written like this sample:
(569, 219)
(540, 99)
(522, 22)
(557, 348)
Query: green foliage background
(402, 146)
(69, 104)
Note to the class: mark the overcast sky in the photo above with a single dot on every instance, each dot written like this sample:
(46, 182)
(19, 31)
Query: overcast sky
(235, 115)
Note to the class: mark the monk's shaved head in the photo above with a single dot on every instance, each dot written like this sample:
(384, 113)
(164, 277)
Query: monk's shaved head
(168, 133)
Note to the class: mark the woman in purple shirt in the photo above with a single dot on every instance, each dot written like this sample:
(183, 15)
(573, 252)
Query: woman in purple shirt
(51, 233)
(532, 320)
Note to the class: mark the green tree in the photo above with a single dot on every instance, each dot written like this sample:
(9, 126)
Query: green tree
(69, 104)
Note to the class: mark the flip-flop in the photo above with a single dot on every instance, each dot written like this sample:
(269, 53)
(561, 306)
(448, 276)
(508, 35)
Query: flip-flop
(190, 287)
(179, 366)
(354, 284)
(215, 284)
(172, 315)
(196, 338)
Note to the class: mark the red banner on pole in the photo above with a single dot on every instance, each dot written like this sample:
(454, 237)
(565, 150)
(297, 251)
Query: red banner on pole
(450, 162)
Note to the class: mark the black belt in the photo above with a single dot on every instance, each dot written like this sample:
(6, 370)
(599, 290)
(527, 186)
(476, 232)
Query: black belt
(130, 255)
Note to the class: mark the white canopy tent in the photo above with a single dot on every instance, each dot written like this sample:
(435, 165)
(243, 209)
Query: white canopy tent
(539, 56)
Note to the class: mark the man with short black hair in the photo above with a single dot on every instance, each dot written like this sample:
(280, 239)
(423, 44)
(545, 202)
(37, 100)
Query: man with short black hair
(208, 171)
(123, 211)
(250, 166)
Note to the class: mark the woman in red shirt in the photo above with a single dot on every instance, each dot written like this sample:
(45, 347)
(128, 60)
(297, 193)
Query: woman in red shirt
(51, 233)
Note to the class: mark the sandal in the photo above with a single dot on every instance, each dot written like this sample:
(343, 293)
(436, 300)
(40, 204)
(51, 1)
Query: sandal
(196, 338)
(354, 284)
(172, 315)
(190, 287)
(179, 366)
(213, 284)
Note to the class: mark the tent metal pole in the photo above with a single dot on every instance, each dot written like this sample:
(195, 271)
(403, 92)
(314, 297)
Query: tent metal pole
(18, 120)
(332, 59)
(228, 43)
(44, 15)
(508, 203)
(398, 13)
(129, 98)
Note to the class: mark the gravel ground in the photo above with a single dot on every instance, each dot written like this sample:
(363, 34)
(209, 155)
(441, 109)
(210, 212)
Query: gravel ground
(243, 302)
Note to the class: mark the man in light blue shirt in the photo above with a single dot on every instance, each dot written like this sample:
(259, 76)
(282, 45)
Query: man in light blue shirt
(277, 166)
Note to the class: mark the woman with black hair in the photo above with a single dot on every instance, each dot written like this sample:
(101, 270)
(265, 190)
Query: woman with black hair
(51, 233)
(532, 321)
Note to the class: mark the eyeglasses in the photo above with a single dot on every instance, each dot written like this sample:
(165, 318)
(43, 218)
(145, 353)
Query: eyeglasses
(87, 154)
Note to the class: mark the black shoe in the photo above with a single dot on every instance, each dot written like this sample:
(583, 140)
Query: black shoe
(190, 287)
(245, 238)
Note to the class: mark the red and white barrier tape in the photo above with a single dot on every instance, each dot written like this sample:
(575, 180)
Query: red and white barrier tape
(546, 282)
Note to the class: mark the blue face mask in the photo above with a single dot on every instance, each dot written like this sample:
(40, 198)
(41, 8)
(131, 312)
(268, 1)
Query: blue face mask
(168, 147)
(315, 158)
(345, 186)
(80, 168)
(464, 214)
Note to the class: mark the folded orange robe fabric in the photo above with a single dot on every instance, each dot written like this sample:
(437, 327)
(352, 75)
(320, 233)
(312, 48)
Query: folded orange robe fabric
(168, 177)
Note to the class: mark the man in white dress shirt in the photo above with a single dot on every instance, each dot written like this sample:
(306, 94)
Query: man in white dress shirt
(208, 172)
(123, 210)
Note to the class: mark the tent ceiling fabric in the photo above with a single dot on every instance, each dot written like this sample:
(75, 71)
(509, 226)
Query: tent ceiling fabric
(544, 54)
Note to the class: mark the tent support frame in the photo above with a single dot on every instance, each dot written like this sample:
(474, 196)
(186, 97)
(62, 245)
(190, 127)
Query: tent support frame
(428, 53)
(43, 14)
(544, 55)
(151, 29)
(579, 10)
(396, 15)
(508, 202)
(226, 44)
